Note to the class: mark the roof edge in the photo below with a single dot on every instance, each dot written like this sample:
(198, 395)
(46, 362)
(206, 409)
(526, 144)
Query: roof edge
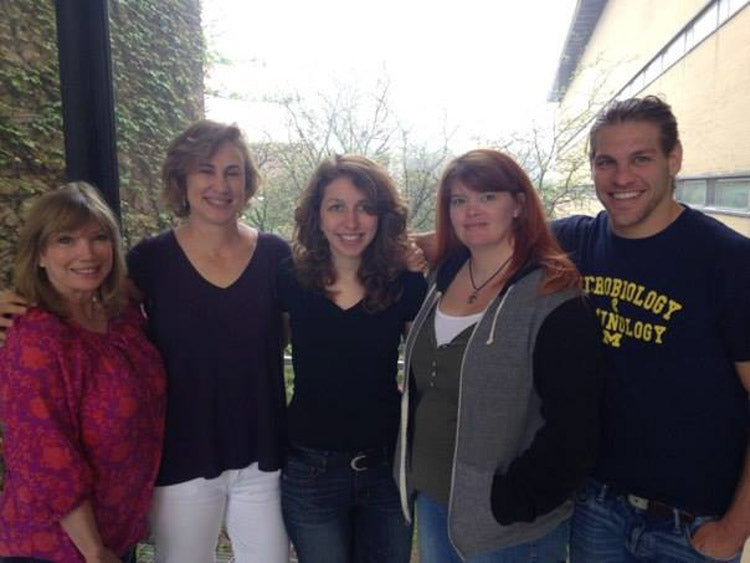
(585, 18)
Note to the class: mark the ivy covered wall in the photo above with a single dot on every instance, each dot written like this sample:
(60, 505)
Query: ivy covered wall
(158, 56)
(31, 138)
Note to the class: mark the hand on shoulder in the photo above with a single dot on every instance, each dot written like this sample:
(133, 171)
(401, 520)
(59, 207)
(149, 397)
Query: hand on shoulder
(427, 244)
(11, 305)
(415, 258)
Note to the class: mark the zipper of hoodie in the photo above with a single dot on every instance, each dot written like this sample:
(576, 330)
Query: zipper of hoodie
(433, 296)
(458, 413)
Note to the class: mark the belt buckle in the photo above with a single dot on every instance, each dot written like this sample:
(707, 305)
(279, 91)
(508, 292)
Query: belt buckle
(639, 502)
(354, 463)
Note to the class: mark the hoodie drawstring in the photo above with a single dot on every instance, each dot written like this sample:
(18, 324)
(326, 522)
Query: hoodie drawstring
(491, 337)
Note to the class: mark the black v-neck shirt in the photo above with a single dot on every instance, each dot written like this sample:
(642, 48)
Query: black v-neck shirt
(345, 365)
(222, 350)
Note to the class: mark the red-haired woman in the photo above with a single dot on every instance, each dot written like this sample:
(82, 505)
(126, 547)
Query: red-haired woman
(499, 416)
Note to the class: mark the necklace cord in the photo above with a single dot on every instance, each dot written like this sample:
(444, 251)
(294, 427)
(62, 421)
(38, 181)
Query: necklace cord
(488, 280)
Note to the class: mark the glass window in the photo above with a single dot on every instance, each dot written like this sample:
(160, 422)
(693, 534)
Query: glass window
(691, 192)
(704, 25)
(724, 7)
(627, 92)
(690, 39)
(652, 71)
(727, 8)
(639, 82)
(733, 193)
(673, 52)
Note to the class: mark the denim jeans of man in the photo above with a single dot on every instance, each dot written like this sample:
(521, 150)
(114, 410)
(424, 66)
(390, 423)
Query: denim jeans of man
(607, 527)
(435, 545)
(335, 513)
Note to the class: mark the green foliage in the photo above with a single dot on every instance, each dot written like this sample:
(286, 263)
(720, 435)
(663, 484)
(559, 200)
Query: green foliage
(158, 54)
(31, 138)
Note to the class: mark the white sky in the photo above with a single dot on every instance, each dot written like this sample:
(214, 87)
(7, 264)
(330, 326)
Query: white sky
(487, 66)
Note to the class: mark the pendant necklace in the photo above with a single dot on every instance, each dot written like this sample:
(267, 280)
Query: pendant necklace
(473, 295)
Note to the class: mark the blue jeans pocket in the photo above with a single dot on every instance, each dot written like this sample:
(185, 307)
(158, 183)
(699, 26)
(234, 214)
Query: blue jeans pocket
(297, 470)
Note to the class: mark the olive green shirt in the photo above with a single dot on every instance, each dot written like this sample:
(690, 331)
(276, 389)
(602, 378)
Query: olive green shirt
(436, 374)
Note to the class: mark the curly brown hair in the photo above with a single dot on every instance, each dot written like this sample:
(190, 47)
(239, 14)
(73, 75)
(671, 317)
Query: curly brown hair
(382, 261)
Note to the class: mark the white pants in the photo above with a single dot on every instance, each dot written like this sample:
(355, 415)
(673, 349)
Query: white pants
(186, 518)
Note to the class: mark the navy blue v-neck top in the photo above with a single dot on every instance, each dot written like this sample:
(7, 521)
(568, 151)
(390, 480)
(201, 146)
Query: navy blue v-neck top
(222, 350)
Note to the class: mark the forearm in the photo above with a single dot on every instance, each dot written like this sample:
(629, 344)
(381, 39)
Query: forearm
(725, 537)
(738, 515)
(80, 525)
(737, 518)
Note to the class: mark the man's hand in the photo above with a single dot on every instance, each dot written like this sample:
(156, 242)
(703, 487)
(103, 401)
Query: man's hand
(427, 242)
(11, 304)
(415, 260)
(719, 540)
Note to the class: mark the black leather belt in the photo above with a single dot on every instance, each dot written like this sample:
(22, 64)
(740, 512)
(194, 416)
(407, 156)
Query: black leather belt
(656, 509)
(358, 461)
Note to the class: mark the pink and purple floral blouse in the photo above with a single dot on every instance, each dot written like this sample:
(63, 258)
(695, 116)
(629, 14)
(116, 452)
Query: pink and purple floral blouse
(83, 415)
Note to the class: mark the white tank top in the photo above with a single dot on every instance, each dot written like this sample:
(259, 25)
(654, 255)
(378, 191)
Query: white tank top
(448, 327)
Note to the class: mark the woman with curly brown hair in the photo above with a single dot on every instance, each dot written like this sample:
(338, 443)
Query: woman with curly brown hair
(348, 299)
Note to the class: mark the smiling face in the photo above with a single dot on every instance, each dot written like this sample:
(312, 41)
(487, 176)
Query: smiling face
(77, 262)
(482, 219)
(633, 178)
(347, 219)
(216, 187)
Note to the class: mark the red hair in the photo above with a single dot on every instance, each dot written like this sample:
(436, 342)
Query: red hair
(487, 170)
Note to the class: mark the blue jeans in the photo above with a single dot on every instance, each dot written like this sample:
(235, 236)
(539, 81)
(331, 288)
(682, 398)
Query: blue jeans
(435, 545)
(336, 514)
(606, 527)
